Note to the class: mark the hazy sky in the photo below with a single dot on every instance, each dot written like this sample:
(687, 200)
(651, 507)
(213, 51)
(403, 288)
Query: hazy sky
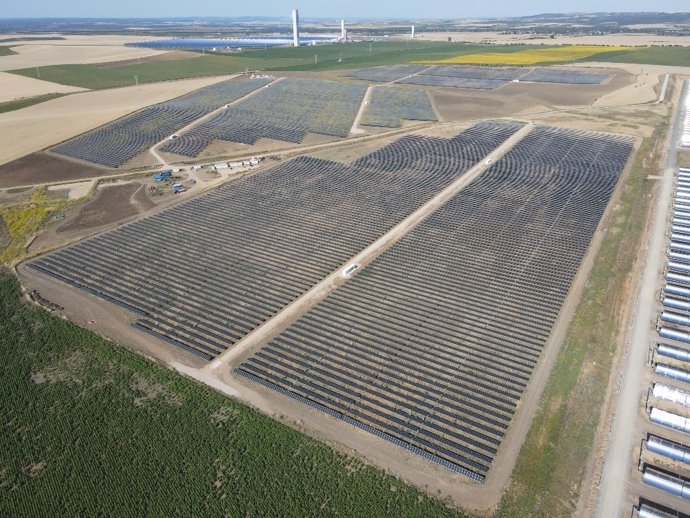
(320, 8)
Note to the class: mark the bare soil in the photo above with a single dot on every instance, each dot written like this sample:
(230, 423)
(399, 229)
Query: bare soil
(13, 86)
(50, 53)
(519, 98)
(42, 167)
(113, 203)
(219, 149)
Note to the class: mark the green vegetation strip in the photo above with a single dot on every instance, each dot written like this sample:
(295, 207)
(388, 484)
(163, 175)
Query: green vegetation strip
(328, 57)
(6, 51)
(547, 477)
(89, 428)
(18, 104)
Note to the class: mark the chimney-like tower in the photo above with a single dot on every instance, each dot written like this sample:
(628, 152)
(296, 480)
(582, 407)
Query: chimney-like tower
(342, 30)
(295, 28)
(412, 35)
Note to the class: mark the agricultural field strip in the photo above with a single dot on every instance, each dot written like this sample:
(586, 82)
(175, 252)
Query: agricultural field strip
(389, 105)
(203, 274)
(118, 142)
(478, 77)
(286, 111)
(433, 344)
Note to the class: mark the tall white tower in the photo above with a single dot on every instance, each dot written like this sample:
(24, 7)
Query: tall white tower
(295, 28)
(412, 35)
(342, 30)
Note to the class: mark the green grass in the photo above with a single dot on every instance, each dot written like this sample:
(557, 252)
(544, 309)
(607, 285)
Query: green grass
(547, 477)
(668, 56)
(18, 104)
(87, 428)
(330, 57)
(6, 51)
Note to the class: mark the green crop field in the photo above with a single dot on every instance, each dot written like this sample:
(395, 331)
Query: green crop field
(27, 101)
(328, 57)
(668, 56)
(6, 51)
(91, 429)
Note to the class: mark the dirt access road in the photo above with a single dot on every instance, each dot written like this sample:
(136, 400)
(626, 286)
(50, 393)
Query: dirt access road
(624, 435)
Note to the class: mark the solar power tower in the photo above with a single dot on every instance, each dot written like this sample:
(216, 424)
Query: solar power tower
(295, 28)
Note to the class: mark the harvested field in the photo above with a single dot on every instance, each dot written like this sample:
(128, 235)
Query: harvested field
(72, 40)
(38, 168)
(38, 127)
(112, 204)
(14, 87)
(432, 345)
(289, 226)
(43, 54)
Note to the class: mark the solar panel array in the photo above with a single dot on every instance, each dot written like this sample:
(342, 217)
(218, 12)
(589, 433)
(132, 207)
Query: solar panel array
(386, 73)
(454, 82)
(477, 77)
(561, 75)
(118, 142)
(204, 273)
(389, 105)
(475, 72)
(433, 344)
(287, 111)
